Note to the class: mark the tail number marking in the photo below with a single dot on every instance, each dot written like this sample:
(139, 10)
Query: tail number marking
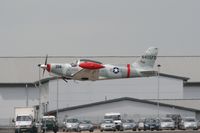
(149, 57)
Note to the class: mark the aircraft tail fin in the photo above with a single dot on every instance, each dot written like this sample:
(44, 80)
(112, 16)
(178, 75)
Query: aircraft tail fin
(148, 59)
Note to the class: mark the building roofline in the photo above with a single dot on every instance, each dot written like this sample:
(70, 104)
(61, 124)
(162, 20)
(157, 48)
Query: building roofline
(28, 84)
(17, 85)
(174, 76)
(118, 100)
(98, 56)
(191, 84)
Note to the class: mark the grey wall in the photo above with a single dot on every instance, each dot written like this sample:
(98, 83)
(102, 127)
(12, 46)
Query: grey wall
(128, 109)
(11, 96)
(191, 92)
(77, 93)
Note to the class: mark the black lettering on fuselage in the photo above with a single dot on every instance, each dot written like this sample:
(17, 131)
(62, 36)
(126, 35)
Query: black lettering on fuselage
(58, 66)
(149, 57)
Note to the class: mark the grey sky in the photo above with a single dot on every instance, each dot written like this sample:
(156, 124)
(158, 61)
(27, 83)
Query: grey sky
(99, 27)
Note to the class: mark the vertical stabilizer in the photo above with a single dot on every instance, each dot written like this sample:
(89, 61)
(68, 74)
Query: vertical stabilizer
(148, 59)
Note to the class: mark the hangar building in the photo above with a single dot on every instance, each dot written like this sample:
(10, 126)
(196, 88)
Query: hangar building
(129, 108)
(179, 89)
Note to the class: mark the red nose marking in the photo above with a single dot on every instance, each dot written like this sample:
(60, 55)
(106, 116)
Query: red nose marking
(48, 67)
(91, 65)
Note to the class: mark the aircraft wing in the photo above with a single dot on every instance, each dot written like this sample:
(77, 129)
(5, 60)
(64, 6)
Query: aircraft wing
(86, 74)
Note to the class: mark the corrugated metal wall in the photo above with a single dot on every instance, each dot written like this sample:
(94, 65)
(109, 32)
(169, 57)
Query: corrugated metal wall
(11, 96)
(128, 109)
(78, 93)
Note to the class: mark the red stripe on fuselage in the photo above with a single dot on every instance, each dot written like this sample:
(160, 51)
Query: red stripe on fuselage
(48, 67)
(128, 70)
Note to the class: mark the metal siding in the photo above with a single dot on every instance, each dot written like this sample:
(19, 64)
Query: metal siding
(15, 97)
(188, 103)
(79, 93)
(128, 109)
(191, 92)
(11, 97)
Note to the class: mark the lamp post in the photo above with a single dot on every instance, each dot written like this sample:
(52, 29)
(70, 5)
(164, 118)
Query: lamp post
(27, 95)
(39, 87)
(57, 102)
(158, 91)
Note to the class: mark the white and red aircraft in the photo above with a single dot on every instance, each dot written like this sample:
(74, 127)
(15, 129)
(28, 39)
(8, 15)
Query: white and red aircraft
(85, 69)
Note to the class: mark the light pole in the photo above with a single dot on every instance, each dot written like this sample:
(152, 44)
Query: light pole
(39, 87)
(57, 98)
(27, 95)
(158, 91)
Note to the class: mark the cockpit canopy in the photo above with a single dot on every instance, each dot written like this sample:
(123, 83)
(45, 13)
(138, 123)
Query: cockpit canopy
(75, 64)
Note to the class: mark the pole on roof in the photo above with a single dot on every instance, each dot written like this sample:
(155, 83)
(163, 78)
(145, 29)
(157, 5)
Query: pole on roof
(27, 96)
(158, 91)
(57, 99)
(39, 86)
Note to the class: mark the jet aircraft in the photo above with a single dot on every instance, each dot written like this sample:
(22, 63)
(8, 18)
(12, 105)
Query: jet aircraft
(86, 69)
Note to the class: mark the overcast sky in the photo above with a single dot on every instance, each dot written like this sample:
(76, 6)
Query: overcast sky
(99, 27)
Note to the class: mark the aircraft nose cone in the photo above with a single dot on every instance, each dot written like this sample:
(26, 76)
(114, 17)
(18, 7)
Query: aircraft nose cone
(47, 66)
(43, 66)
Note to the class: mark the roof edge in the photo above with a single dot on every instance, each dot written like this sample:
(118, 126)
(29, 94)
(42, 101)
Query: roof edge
(174, 76)
(191, 84)
(95, 56)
